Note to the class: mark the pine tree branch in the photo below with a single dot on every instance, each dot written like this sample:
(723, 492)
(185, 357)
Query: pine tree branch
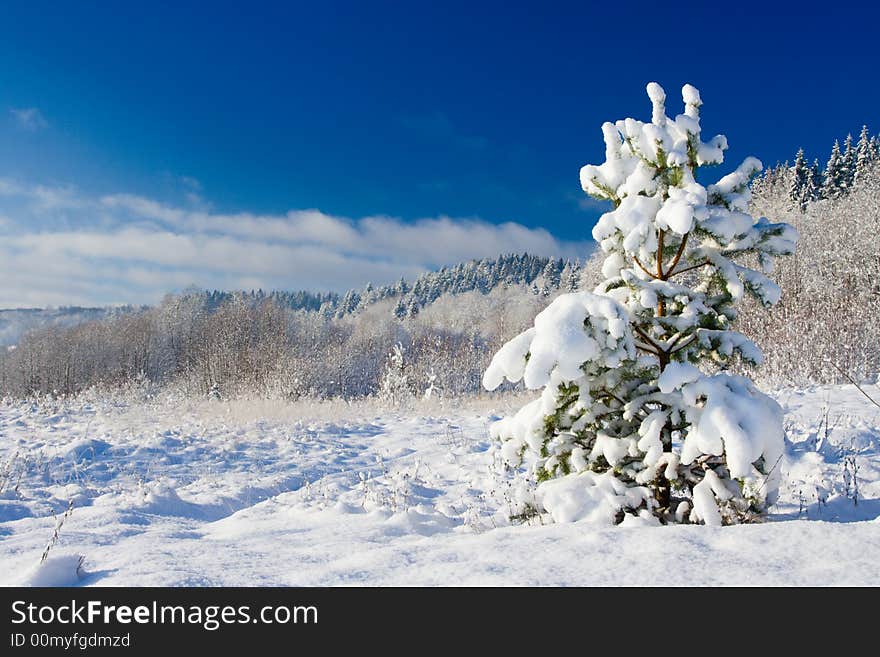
(605, 393)
(661, 239)
(683, 345)
(657, 349)
(681, 271)
(673, 341)
(643, 268)
(678, 254)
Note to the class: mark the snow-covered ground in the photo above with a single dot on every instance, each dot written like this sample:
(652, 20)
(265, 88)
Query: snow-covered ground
(167, 492)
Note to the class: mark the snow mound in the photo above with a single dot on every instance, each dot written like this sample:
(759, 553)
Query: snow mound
(158, 498)
(589, 497)
(56, 570)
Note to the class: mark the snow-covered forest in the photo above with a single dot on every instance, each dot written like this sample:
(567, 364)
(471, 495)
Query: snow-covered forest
(445, 325)
(300, 344)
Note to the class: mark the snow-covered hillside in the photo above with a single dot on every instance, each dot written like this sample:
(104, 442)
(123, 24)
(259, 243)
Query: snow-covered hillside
(15, 322)
(169, 492)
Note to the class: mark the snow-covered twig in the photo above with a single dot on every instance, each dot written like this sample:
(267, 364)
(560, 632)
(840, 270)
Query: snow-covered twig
(55, 534)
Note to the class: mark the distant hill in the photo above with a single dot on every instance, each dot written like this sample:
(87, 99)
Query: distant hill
(16, 322)
(544, 274)
(481, 275)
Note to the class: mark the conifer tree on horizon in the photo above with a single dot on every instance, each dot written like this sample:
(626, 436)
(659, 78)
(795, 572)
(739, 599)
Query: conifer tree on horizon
(849, 161)
(834, 185)
(864, 156)
(801, 190)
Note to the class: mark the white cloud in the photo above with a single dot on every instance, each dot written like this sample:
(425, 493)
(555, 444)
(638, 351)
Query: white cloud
(59, 246)
(29, 118)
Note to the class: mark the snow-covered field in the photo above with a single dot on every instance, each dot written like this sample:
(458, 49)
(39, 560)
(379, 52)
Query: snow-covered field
(266, 493)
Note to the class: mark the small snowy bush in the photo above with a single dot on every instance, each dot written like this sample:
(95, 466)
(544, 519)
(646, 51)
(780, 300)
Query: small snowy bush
(394, 388)
(627, 423)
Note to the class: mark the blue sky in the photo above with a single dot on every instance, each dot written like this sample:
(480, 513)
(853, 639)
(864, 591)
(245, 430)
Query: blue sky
(461, 125)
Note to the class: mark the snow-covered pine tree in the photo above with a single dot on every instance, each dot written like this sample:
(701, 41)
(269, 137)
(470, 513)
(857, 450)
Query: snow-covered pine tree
(810, 191)
(834, 185)
(551, 276)
(800, 191)
(367, 297)
(816, 180)
(570, 276)
(627, 424)
(348, 304)
(864, 156)
(400, 309)
(849, 161)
